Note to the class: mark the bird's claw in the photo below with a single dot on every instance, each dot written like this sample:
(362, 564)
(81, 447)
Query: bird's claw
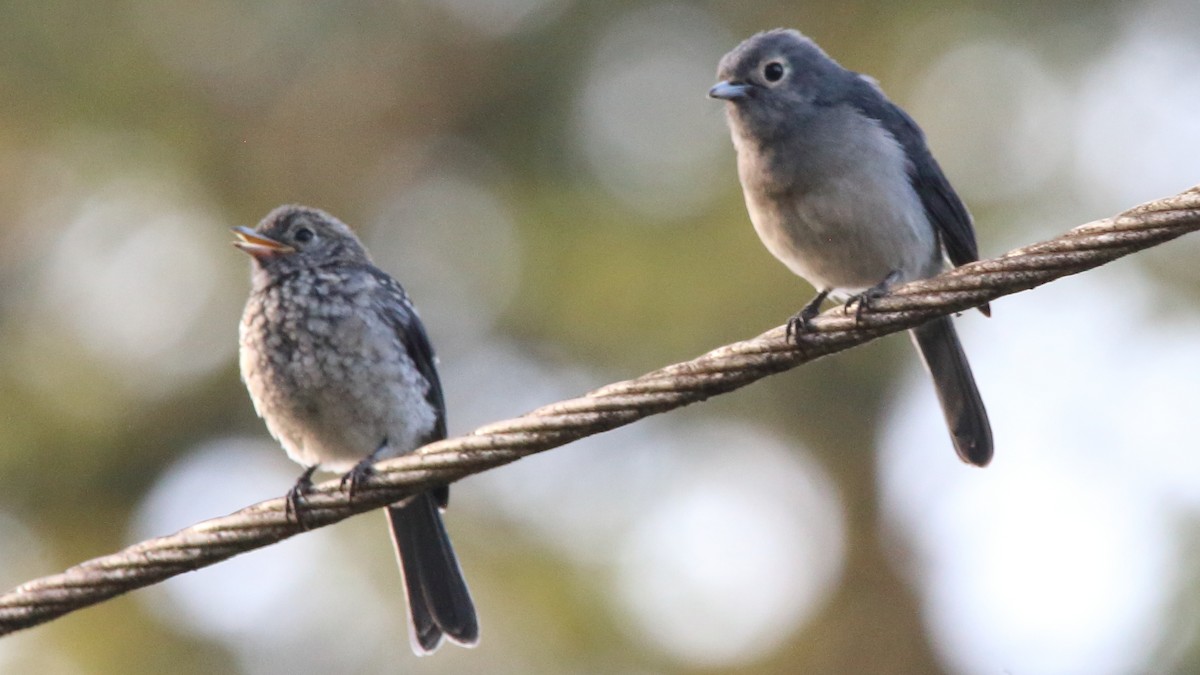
(296, 496)
(354, 477)
(866, 299)
(801, 321)
(363, 470)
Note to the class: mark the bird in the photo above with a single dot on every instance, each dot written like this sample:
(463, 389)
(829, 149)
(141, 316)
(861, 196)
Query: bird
(341, 370)
(842, 188)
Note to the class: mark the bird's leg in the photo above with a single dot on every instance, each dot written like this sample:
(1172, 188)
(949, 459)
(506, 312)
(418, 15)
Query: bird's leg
(799, 323)
(359, 473)
(291, 508)
(868, 296)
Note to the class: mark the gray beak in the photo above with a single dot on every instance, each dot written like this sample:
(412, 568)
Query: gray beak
(730, 91)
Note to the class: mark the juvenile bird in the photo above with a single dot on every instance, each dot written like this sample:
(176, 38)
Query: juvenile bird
(339, 367)
(842, 189)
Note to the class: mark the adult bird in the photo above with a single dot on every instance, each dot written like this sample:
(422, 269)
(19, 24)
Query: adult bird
(842, 189)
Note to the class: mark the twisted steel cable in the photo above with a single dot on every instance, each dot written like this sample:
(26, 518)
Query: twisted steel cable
(615, 405)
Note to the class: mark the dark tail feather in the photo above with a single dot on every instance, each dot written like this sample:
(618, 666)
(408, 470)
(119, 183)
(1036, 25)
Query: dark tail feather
(956, 391)
(438, 600)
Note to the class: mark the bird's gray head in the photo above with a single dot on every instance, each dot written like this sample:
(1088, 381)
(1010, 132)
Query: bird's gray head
(775, 76)
(294, 237)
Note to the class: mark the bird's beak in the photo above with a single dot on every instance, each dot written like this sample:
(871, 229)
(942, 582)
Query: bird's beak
(730, 91)
(257, 245)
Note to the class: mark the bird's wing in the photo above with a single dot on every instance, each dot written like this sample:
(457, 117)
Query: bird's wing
(416, 340)
(407, 324)
(942, 205)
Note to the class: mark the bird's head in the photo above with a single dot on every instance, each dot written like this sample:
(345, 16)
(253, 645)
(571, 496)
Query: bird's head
(774, 78)
(293, 237)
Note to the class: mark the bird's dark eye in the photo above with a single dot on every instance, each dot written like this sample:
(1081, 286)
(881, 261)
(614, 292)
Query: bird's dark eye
(773, 71)
(303, 235)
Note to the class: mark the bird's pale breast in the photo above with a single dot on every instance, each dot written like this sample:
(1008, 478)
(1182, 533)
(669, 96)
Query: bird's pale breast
(331, 378)
(835, 204)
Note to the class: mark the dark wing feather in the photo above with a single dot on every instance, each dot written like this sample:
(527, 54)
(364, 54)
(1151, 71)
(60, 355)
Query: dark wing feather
(942, 205)
(412, 335)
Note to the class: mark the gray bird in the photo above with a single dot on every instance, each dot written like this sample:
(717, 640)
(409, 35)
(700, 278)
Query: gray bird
(842, 189)
(342, 372)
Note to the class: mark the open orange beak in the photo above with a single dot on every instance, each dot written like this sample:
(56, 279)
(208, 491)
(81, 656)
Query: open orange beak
(257, 245)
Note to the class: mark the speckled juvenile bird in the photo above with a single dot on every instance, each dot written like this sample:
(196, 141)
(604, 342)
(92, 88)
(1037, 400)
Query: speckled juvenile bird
(842, 188)
(340, 369)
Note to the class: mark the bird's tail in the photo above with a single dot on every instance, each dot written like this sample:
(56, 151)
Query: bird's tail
(956, 391)
(438, 600)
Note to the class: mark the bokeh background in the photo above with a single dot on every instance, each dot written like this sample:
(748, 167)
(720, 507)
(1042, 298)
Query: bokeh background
(549, 181)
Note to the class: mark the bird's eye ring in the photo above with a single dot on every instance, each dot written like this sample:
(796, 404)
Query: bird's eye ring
(773, 71)
(303, 235)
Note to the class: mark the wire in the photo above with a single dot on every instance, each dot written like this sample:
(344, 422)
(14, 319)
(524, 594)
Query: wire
(615, 405)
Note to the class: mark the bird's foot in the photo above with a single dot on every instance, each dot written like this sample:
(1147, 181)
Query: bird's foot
(361, 471)
(354, 477)
(867, 298)
(801, 321)
(295, 496)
